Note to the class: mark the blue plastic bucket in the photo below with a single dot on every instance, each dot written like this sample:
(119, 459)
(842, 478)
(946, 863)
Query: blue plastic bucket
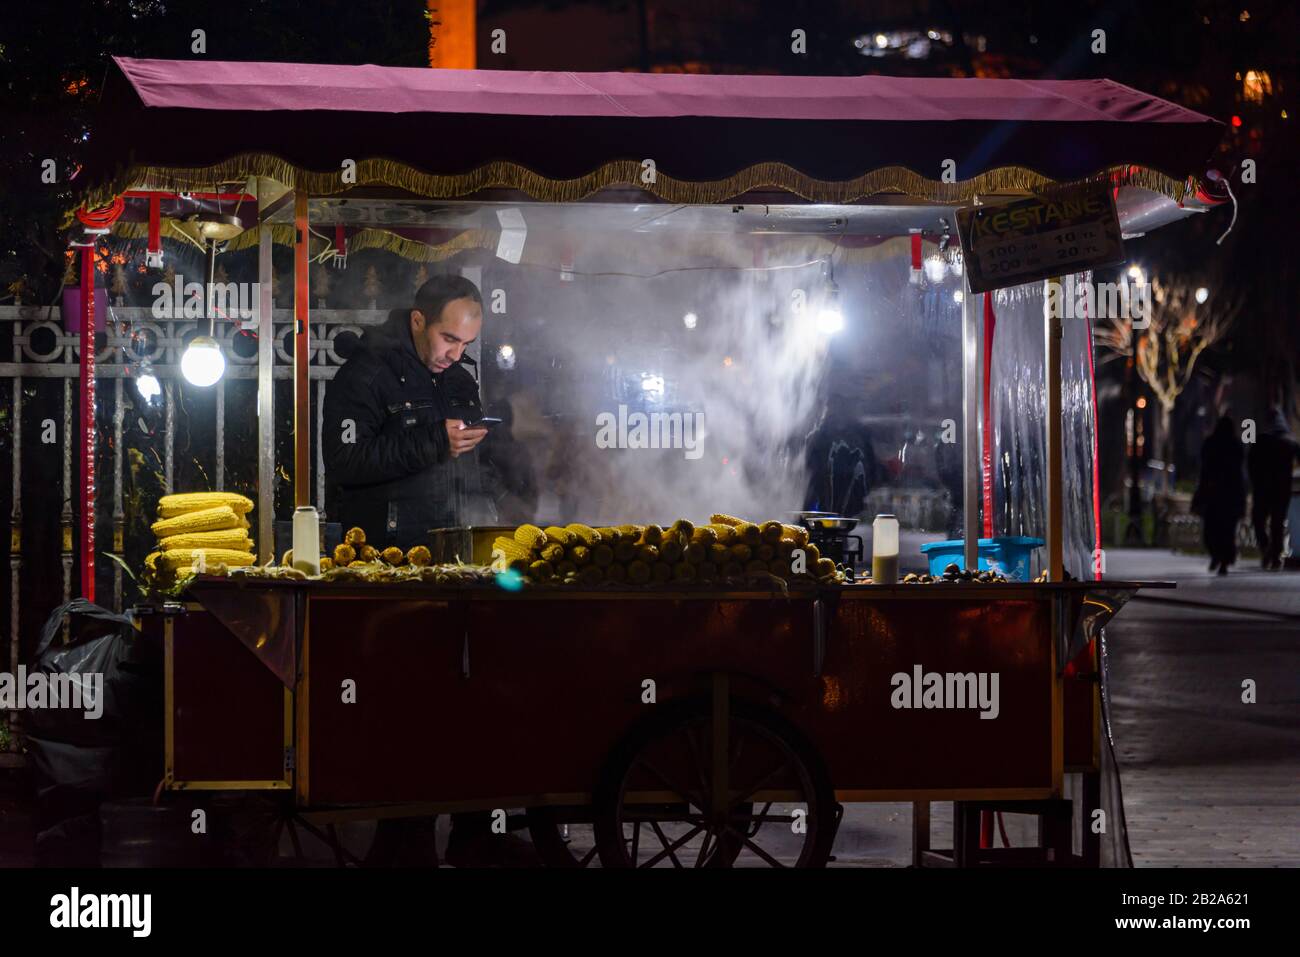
(1008, 556)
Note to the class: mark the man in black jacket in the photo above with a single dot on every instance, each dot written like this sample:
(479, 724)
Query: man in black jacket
(395, 417)
(395, 423)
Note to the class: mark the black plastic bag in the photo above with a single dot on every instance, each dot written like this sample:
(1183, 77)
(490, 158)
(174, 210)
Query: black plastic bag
(79, 762)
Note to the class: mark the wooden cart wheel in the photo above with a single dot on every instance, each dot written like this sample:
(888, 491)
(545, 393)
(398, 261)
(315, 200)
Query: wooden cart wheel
(657, 802)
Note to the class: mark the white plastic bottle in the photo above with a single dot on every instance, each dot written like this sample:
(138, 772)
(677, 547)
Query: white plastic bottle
(306, 540)
(884, 550)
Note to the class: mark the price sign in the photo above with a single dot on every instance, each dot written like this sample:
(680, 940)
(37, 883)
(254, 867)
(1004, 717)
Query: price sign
(1033, 239)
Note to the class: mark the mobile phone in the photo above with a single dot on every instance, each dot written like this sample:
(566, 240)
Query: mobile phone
(484, 423)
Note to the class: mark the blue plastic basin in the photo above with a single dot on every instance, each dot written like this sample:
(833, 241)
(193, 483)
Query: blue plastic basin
(1008, 556)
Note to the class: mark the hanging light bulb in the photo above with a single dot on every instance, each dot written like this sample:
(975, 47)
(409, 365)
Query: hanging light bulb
(146, 383)
(935, 268)
(830, 318)
(202, 363)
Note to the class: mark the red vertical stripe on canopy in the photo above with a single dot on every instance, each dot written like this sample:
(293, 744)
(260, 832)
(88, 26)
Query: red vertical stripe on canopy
(986, 457)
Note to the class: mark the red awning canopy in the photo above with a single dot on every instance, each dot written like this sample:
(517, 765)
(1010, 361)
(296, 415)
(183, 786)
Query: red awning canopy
(193, 123)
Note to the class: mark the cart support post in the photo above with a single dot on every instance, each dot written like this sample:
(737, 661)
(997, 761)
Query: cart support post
(972, 491)
(720, 744)
(265, 379)
(1052, 383)
(301, 342)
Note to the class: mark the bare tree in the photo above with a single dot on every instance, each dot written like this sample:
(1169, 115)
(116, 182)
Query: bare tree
(1166, 345)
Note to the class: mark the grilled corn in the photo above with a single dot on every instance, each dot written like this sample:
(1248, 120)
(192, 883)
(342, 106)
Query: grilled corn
(706, 572)
(741, 553)
(797, 533)
(704, 535)
(560, 535)
(616, 573)
(541, 571)
(235, 538)
(356, 537)
(187, 558)
(670, 551)
(554, 552)
(530, 536)
(510, 548)
(638, 572)
(652, 535)
(585, 534)
(748, 533)
(204, 520)
(344, 555)
(719, 518)
(170, 506)
(393, 555)
(602, 556)
(726, 533)
(696, 552)
(625, 550)
(660, 573)
(771, 532)
(648, 554)
(579, 554)
(684, 572)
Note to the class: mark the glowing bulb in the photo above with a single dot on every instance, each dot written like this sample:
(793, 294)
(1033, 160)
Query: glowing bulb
(689, 320)
(507, 352)
(1135, 273)
(505, 356)
(957, 296)
(882, 41)
(202, 364)
(147, 385)
(652, 383)
(1202, 294)
(830, 320)
(935, 268)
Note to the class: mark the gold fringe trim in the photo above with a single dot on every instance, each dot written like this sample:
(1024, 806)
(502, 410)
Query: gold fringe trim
(417, 251)
(625, 173)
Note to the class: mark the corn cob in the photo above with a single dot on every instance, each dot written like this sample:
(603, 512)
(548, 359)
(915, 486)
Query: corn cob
(719, 554)
(554, 552)
(616, 573)
(585, 534)
(726, 533)
(779, 568)
(732, 570)
(638, 572)
(419, 556)
(748, 533)
(785, 549)
(579, 554)
(798, 533)
(170, 506)
(696, 552)
(559, 534)
(356, 537)
(706, 571)
(565, 568)
(812, 553)
(704, 535)
(718, 518)
(530, 536)
(368, 553)
(510, 548)
(625, 551)
(771, 532)
(541, 571)
(326, 563)
(186, 558)
(765, 552)
(591, 575)
(151, 561)
(660, 573)
(393, 555)
(684, 572)
(630, 532)
(683, 528)
(235, 538)
(647, 553)
(205, 520)
(755, 567)
(741, 553)
(825, 567)
(652, 535)
(344, 555)
(357, 564)
(602, 556)
(670, 551)
(610, 536)
(286, 559)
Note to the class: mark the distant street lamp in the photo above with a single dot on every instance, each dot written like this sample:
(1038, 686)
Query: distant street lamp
(1202, 294)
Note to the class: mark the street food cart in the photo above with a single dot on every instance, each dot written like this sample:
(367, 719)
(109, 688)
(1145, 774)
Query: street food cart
(720, 723)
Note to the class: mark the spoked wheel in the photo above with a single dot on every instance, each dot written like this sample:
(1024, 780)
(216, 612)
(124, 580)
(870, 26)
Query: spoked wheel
(563, 835)
(686, 791)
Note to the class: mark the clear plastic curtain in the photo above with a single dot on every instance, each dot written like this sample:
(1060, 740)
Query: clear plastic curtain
(1018, 410)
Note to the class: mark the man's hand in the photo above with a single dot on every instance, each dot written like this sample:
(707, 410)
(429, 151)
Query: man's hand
(461, 438)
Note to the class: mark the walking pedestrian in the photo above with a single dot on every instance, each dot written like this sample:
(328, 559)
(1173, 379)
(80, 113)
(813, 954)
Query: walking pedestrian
(1220, 497)
(1269, 463)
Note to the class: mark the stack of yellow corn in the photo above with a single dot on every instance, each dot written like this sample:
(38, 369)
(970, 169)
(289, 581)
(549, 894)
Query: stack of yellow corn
(202, 531)
(725, 549)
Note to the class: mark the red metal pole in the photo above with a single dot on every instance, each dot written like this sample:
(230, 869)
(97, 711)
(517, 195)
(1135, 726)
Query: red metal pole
(86, 447)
